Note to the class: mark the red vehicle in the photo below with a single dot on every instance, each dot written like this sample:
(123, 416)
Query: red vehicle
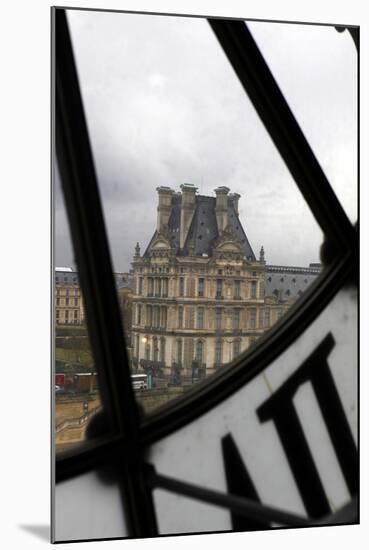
(76, 383)
(60, 379)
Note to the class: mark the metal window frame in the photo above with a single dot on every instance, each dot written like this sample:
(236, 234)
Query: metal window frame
(130, 434)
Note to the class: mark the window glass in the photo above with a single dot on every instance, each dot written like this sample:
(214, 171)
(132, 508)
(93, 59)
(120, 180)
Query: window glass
(322, 81)
(77, 400)
(217, 237)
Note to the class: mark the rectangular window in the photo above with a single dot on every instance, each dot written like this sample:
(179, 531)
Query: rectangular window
(163, 317)
(218, 352)
(140, 286)
(200, 288)
(162, 349)
(252, 318)
(58, 301)
(150, 286)
(218, 319)
(236, 319)
(67, 301)
(76, 301)
(236, 348)
(190, 317)
(137, 345)
(165, 288)
(219, 288)
(139, 313)
(180, 317)
(148, 316)
(237, 290)
(191, 287)
(157, 287)
(181, 286)
(147, 351)
(179, 351)
(199, 356)
(266, 317)
(57, 313)
(155, 316)
(200, 317)
(75, 313)
(253, 289)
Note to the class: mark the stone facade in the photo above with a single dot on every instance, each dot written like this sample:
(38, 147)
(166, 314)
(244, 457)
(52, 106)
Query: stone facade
(69, 308)
(68, 299)
(199, 290)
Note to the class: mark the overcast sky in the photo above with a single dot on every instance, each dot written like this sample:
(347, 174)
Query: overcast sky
(164, 107)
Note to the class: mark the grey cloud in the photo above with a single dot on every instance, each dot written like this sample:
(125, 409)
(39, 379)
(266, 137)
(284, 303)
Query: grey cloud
(164, 107)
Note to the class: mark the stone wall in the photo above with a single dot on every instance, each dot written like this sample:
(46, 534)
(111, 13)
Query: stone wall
(72, 415)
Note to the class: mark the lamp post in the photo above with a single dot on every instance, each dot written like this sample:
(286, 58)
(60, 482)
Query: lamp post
(145, 340)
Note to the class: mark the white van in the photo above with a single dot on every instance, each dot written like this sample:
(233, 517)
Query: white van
(139, 381)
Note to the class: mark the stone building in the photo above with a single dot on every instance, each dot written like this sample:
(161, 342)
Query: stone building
(199, 289)
(69, 308)
(68, 298)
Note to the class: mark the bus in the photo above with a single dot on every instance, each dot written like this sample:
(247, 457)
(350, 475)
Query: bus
(139, 381)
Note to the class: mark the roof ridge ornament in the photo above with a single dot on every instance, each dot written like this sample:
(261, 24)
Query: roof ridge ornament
(262, 255)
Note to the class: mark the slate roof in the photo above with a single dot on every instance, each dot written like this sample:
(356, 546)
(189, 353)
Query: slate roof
(203, 232)
(69, 277)
(289, 282)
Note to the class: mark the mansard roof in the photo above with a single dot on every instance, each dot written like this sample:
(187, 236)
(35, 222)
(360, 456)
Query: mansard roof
(68, 277)
(203, 233)
(286, 282)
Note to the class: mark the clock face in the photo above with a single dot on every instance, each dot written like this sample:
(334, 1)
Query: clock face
(276, 439)
(231, 402)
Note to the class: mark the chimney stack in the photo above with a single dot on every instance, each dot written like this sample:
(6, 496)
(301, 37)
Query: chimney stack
(234, 198)
(221, 207)
(188, 206)
(164, 207)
